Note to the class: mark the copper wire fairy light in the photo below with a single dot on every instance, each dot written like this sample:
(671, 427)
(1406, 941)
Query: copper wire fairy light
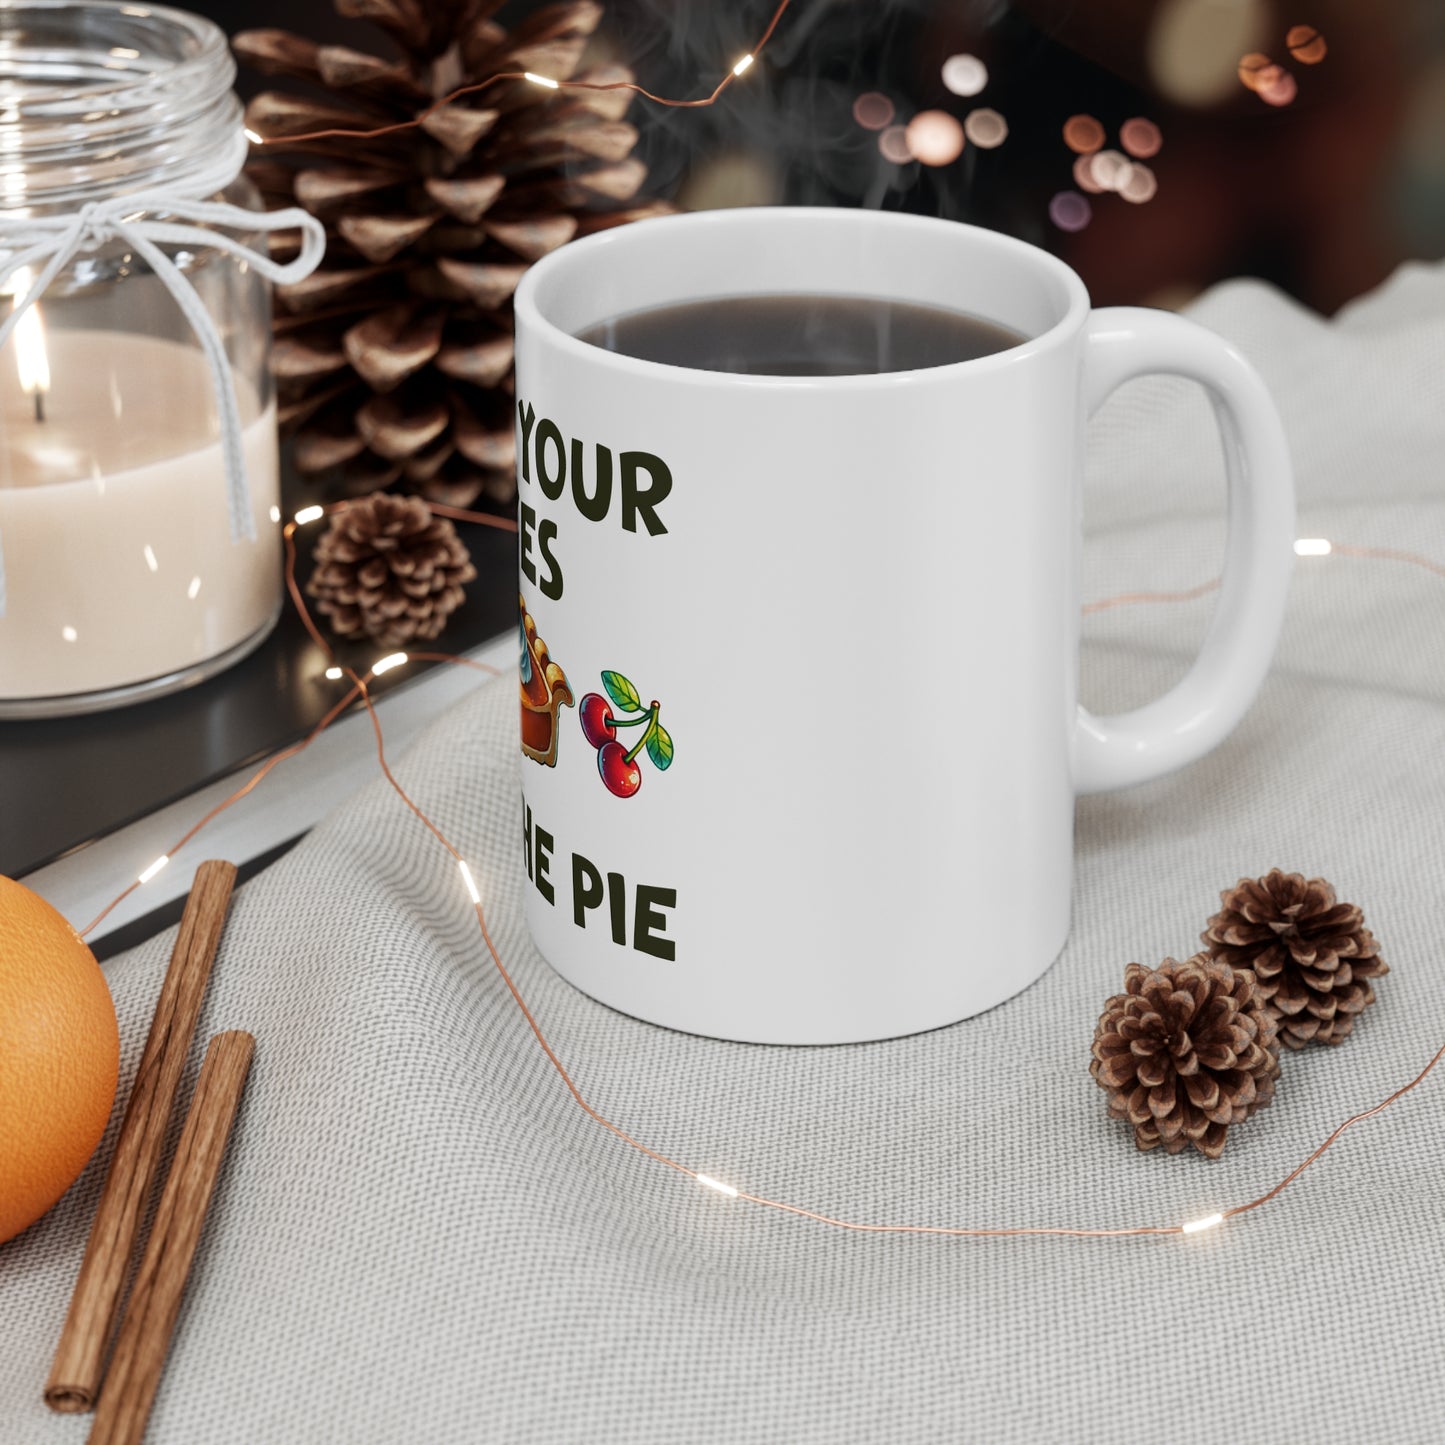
(1084, 136)
(739, 68)
(360, 690)
(1130, 599)
(1387, 554)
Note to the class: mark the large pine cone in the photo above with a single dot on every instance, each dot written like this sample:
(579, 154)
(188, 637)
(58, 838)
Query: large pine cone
(388, 570)
(1185, 1051)
(394, 359)
(1313, 956)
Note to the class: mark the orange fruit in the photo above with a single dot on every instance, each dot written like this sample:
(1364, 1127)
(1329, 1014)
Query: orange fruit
(59, 1056)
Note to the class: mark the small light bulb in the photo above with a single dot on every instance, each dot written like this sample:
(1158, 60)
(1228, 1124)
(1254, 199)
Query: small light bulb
(385, 664)
(1208, 1222)
(309, 514)
(150, 557)
(1313, 547)
(332, 674)
(469, 880)
(742, 65)
(711, 1183)
(256, 140)
(154, 868)
(275, 513)
(541, 80)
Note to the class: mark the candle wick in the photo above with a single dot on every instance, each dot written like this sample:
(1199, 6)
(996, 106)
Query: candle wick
(39, 404)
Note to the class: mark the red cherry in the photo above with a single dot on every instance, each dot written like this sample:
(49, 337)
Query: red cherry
(619, 772)
(596, 714)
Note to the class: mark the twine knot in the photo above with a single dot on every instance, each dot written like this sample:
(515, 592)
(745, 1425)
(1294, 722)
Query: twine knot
(52, 242)
(92, 232)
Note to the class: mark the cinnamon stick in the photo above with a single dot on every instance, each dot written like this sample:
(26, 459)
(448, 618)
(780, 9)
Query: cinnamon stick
(155, 1298)
(79, 1362)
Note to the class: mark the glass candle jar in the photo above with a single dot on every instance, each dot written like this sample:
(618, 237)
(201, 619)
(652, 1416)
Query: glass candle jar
(134, 563)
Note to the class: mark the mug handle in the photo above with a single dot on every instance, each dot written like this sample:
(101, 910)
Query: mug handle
(1202, 709)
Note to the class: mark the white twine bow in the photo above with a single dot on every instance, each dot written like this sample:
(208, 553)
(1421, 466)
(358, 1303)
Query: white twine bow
(52, 242)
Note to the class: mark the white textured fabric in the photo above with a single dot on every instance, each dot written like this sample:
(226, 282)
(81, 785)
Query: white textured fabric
(419, 1237)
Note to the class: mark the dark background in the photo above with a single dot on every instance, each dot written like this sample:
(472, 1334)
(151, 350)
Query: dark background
(1323, 196)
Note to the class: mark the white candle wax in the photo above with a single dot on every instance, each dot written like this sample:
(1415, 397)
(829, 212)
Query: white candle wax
(114, 522)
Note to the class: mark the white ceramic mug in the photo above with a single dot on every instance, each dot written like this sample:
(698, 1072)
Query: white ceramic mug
(835, 622)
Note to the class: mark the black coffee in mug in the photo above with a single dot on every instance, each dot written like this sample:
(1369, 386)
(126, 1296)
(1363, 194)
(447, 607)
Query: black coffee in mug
(801, 335)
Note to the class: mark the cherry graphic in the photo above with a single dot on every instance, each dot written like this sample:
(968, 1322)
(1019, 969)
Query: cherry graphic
(617, 763)
(621, 774)
(596, 715)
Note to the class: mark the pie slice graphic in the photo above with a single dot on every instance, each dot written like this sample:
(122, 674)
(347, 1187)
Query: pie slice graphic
(544, 691)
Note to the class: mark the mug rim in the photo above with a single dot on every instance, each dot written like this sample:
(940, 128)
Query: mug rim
(529, 310)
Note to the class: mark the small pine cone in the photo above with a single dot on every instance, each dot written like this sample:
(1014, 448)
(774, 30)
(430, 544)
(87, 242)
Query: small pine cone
(1313, 957)
(389, 570)
(1185, 1051)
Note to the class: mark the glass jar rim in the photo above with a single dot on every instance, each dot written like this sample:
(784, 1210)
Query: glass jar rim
(104, 97)
(209, 39)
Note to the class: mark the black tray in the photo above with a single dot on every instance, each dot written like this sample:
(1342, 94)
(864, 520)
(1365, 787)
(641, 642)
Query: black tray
(66, 781)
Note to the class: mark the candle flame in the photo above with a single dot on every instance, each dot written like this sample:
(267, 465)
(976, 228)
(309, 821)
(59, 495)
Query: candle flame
(31, 359)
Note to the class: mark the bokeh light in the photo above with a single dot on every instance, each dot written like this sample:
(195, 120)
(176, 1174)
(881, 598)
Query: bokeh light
(1140, 185)
(1140, 137)
(1084, 175)
(1110, 170)
(985, 128)
(1083, 134)
(1278, 87)
(934, 137)
(873, 111)
(893, 142)
(1266, 76)
(1194, 46)
(1070, 211)
(1306, 44)
(1252, 66)
(965, 74)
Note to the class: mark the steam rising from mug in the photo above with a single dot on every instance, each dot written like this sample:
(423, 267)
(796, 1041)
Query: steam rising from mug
(793, 137)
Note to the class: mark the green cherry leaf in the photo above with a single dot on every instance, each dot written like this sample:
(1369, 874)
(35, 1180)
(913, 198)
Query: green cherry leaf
(659, 747)
(622, 692)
